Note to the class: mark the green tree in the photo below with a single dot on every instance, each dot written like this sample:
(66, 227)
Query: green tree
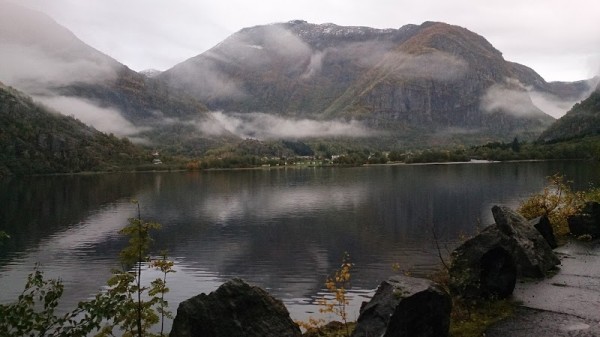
(515, 145)
(139, 306)
(126, 305)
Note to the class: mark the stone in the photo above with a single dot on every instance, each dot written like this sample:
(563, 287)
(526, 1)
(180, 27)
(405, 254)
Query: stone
(498, 274)
(234, 309)
(543, 225)
(405, 307)
(532, 254)
(586, 222)
(488, 264)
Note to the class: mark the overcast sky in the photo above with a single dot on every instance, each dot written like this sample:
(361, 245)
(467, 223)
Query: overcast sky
(560, 39)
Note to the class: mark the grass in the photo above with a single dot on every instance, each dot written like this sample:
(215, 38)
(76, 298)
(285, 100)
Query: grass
(473, 319)
(331, 329)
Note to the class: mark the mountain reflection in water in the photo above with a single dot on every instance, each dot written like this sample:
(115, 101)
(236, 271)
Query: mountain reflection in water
(282, 229)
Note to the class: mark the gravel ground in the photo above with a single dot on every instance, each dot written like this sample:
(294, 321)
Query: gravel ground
(529, 322)
(567, 304)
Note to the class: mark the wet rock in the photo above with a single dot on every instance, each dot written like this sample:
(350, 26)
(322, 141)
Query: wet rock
(587, 222)
(543, 225)
(478, 263)
(488, 264)
(234, 309)
(498, 273)
(405, 306)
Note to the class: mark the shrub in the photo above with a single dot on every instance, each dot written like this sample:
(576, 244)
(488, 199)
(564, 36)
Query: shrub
(557, 201)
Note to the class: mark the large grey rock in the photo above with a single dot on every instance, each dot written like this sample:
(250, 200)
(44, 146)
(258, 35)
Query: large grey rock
(543, 225)
(405, 307)
(533, 255)
(488, 264)
(587, 222)
(234, 309)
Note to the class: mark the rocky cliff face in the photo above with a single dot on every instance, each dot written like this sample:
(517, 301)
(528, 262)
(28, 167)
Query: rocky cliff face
(433, 77)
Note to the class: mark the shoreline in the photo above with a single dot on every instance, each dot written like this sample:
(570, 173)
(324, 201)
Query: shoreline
(169, 170)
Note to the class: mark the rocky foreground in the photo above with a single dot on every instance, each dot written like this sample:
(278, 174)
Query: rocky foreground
(567, 304)
(555, 302)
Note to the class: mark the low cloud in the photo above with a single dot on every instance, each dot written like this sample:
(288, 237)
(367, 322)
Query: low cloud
(517, 99)
(557, 107)
(108, 120)
(208, 82)
(315, 64)
(35, 70)
(510, 97)
(261, 47)
(550, 104)
(37, 54)
(264, 126)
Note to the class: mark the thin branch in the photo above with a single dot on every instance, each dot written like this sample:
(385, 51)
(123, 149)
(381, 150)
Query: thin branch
(437, 246)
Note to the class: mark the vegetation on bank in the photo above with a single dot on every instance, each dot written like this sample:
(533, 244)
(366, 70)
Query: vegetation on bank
(37, 140)
(126, 307)
(558, 202)
(253, 153)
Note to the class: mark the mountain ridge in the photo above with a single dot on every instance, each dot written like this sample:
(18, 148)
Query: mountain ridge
(48, 62)
(418, 84)
(433, 76)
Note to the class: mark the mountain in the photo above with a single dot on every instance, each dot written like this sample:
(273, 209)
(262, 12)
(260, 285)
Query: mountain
(150, 73)
(419, 85)
(432, 81)
(581, 121)
(48, 62)
(35, 139)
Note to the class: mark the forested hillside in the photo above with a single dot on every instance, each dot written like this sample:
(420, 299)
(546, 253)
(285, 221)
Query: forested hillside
(582, 120)
(34, 139)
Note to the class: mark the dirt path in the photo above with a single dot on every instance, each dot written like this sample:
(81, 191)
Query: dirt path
(567, 304)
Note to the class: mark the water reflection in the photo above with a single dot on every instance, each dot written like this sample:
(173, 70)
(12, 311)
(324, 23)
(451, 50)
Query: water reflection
(284, 230)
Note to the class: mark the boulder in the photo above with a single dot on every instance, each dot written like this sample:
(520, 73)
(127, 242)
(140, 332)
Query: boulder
(234, 309)
(533, 255)
(543, 225)
(405, 307)
(586, 222)
(488, 264)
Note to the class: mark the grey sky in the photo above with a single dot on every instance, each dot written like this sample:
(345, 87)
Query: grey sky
(559, 39)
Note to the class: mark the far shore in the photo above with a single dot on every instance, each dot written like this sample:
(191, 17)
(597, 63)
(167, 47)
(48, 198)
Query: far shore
(179, 169)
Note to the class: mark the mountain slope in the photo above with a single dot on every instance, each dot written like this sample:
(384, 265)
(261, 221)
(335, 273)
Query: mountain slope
(444, 77)
(582, 120)
(416, 80)
(34, 139)
(282, 67)
(45, 60)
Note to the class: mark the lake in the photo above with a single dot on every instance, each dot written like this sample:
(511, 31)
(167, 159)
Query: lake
(282, 229)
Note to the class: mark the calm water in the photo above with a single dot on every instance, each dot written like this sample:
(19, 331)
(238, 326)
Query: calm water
(282, 229)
